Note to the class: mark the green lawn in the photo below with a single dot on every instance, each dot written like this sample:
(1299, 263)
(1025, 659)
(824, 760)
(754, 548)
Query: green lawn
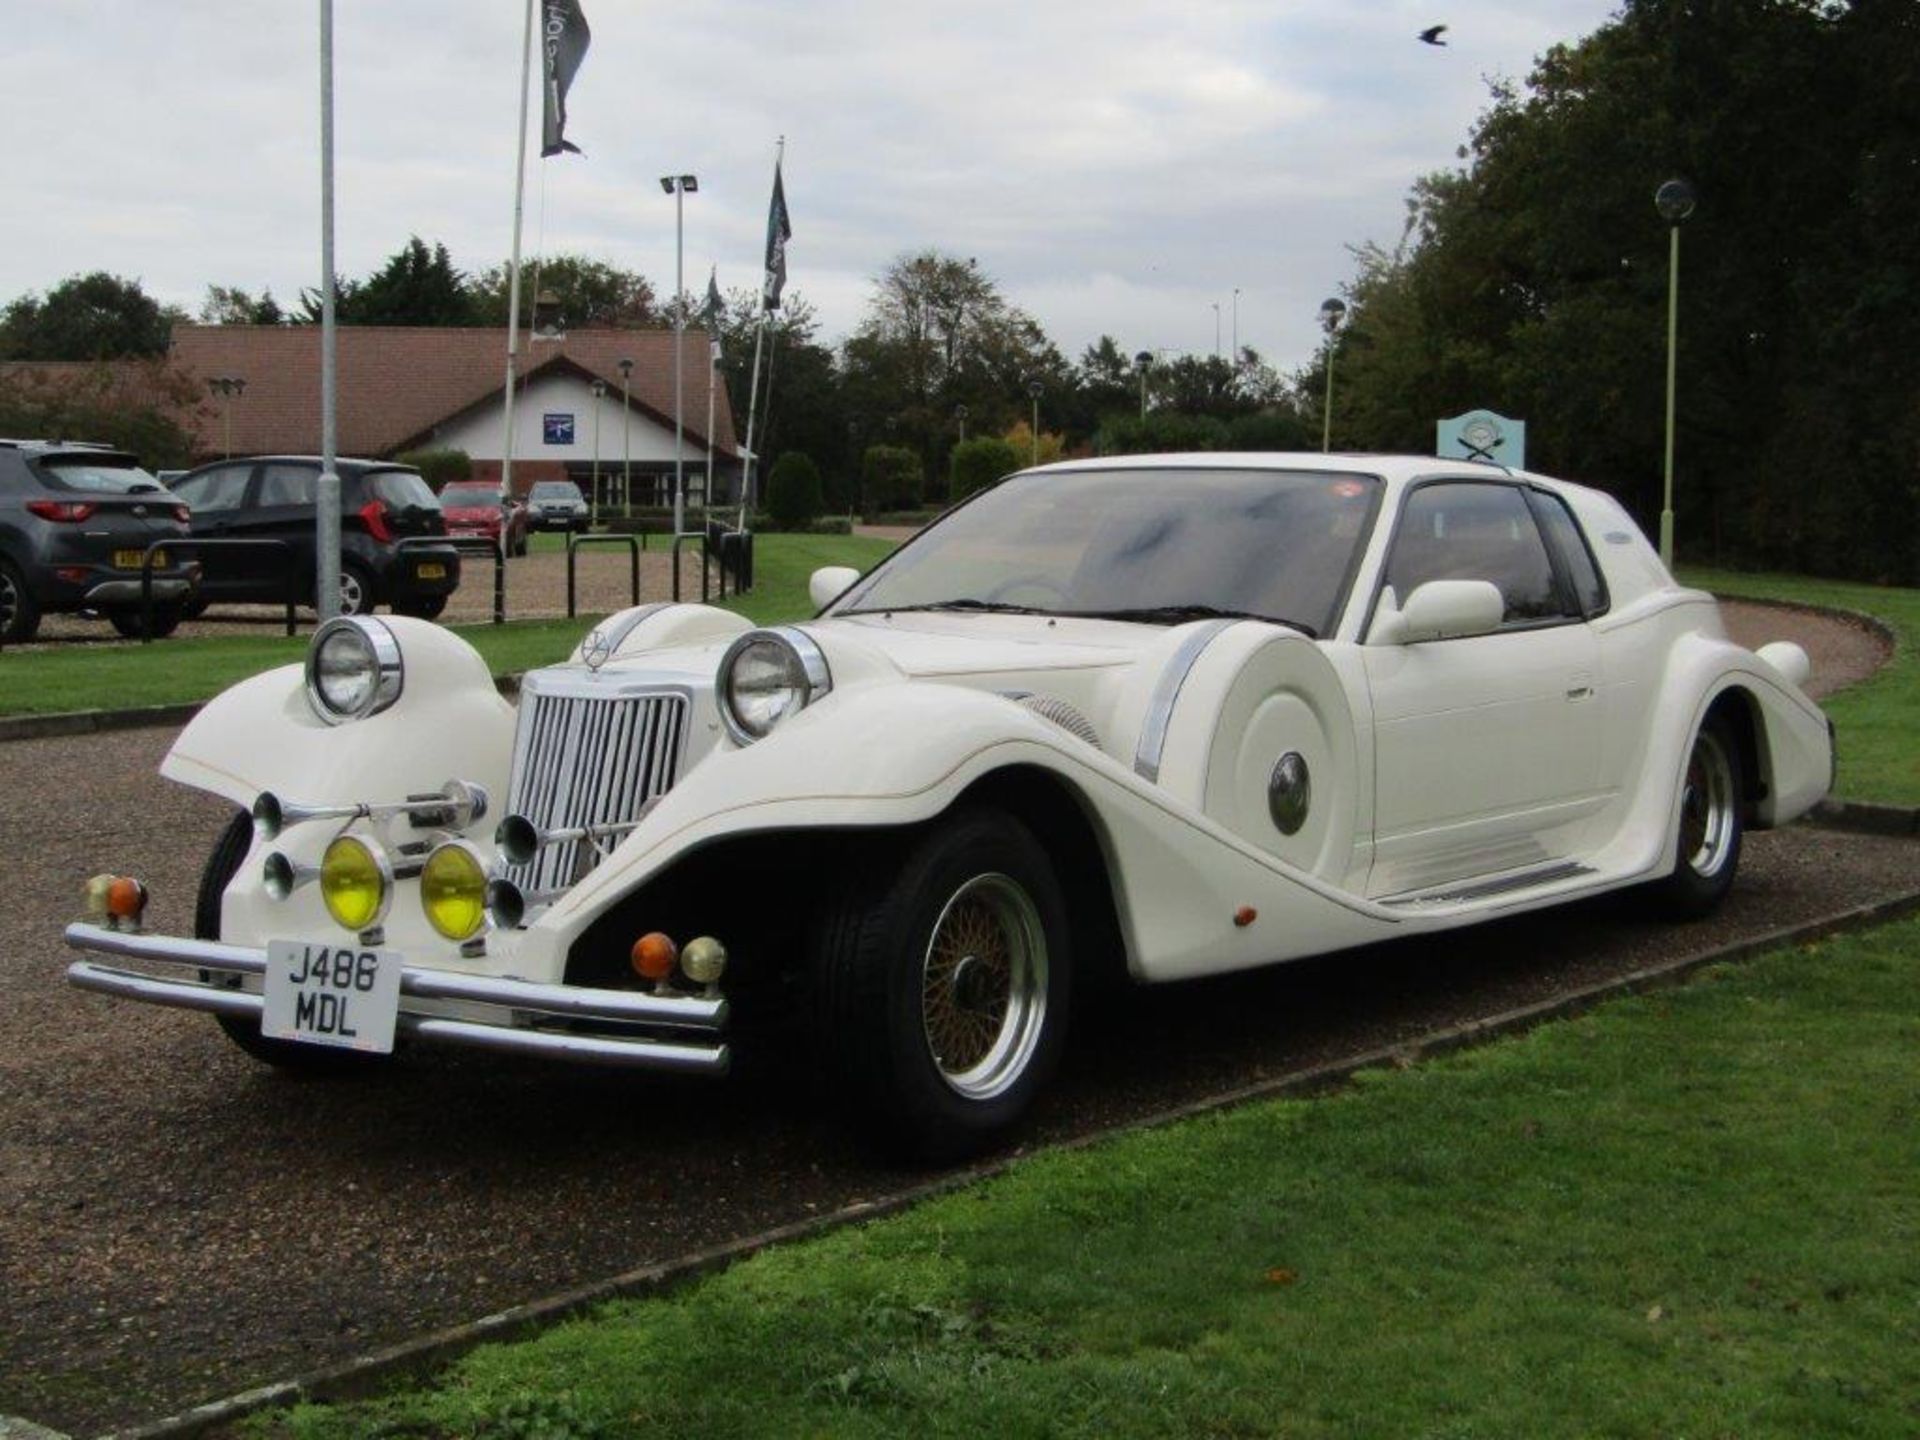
(1878, 722)
(1694, 1213)
(122, 676)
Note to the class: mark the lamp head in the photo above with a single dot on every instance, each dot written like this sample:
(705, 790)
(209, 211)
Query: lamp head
(1674, 200)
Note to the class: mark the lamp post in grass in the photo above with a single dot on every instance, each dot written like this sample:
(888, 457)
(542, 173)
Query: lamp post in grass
(1332, 312)
(1674, 200)
(599, 388)
(1034, 387)
(1143, 362)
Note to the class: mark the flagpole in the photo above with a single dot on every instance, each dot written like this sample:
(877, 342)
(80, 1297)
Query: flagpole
(713, 365)
(326, 600)
(753, 400)
(513, 284)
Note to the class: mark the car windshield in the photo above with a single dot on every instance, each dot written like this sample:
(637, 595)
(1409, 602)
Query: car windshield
(403, 489)
(555, 490)
(98, 475)
(473, 492)
(1158, 546)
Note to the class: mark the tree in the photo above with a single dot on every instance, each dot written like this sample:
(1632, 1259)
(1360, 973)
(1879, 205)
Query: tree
(592, 294)
(978, 463)
(793, 491)
(142, 407)
(891, 478)
(416, 286)
(87, 317)
(1533, 279)
(802, 402)
(234, 306)
(938, 335)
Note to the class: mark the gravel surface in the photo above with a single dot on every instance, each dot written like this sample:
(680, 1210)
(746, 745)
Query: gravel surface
(177, 1222)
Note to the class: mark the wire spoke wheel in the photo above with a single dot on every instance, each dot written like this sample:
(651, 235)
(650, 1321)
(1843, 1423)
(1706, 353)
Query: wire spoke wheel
(983, 991)
(9, 601)
(1707, 802)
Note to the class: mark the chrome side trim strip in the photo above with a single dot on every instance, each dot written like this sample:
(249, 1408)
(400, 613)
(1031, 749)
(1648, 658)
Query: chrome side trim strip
(577, 1002)
(1166, 690)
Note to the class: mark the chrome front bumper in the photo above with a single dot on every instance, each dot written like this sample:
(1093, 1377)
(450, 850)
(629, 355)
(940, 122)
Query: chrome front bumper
(516, 1016)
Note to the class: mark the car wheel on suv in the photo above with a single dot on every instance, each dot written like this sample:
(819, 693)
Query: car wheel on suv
(166, 620)
(19, 616)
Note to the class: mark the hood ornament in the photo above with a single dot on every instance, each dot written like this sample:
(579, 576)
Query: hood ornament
(596, 649)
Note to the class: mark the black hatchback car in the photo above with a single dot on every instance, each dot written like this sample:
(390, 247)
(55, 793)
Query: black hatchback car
(75, 524)
(271, 497)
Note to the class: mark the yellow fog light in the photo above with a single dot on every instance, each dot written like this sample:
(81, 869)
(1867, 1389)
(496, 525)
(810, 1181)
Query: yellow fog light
(356, 881)
(453, 890)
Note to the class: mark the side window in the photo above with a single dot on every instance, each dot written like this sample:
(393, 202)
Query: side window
(222, 488)
(1564, 531)
(287, 485)
(1473, 531)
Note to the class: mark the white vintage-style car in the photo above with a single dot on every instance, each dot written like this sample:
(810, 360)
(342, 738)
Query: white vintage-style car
(1175, 714)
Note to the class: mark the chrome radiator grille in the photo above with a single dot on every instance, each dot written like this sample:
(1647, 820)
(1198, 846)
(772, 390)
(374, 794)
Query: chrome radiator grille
(584, 760)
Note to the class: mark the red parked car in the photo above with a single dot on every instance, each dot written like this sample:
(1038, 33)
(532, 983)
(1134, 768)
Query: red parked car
(472, 507)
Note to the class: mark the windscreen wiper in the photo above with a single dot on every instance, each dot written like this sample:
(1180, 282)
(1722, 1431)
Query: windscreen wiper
(1180, 614)
(992, 606)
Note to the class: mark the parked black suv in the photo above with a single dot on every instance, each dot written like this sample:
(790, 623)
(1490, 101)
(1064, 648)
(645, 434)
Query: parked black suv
(271, 497)
(75, 522)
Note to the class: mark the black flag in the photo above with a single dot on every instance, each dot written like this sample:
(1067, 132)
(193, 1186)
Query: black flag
(563, 45)
(715, 309)
(779, 231)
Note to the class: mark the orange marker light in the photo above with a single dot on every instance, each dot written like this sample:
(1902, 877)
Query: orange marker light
(1245, 916)
(654, 956)
(126, 898)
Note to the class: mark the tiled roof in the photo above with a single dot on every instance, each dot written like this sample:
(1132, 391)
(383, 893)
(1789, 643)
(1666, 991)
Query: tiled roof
(396, 383)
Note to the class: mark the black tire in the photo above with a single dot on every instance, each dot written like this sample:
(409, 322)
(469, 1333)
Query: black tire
(166, 620)
(969, 937)
(194, 608)
(229, 852)
(421, 607)
(357, 591)
(19, 612)
(1707, 853)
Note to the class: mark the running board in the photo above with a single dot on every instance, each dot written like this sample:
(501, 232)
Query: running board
(1488, 889)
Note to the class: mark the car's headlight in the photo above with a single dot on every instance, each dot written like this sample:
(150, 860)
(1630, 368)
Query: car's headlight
(767, 676)
(353, 669)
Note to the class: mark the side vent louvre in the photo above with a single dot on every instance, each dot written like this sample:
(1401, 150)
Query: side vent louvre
(1049, 707)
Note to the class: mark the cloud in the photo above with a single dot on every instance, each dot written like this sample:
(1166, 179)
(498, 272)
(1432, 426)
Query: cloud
(1117, 170)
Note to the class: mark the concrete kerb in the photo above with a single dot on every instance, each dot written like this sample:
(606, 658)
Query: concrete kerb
(359, 1378)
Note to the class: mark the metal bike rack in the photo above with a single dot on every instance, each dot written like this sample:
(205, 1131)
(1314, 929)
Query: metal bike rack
(146, 573)
(574, 542)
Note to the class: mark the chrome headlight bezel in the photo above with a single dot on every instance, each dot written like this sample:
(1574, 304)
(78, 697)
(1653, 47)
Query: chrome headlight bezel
(806, 671)
(379, 651)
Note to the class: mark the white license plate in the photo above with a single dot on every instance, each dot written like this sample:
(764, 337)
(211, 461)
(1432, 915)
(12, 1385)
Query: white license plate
(342, 995)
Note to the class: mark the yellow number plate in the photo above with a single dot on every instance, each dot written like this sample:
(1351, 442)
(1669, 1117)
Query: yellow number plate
(131, 559)
(432, 570)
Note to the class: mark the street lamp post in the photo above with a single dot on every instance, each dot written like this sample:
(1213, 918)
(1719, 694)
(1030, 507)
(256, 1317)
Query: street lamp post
(1034, 388)
(1143, 362)
(1236, 327)
(625, 366)
(599, 393)
(1674, 201)
(960, 419)
(679, 186)
(1332, 312)
(1216, 329)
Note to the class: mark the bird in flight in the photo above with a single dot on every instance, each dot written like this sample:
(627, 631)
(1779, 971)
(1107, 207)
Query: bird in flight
(1431, 35)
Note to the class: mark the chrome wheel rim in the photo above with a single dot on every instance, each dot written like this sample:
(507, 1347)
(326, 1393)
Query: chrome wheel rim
(9, 602)
(983, 987)
(353, 596)
(1707, 807)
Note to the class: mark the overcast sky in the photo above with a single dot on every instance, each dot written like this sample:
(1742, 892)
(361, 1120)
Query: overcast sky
(1117, 168)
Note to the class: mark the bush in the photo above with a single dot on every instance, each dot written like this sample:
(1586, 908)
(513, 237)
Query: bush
(891, 478)
(1160, 432)
(977, 464)
(438, 467)
(793, 491)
